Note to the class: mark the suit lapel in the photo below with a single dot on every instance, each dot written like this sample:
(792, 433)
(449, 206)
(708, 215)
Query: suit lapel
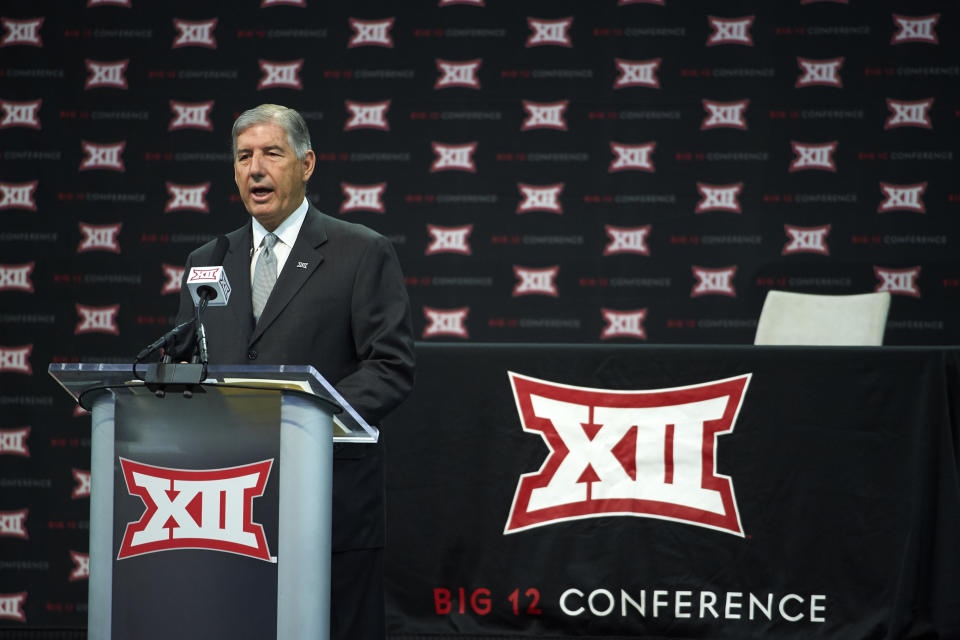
(237, 264)
(305, 257)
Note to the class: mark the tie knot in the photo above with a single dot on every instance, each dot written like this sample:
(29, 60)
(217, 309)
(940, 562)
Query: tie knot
(269, 240)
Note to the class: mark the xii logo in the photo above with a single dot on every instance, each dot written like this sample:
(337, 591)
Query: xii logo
(280, 74)
(649, 454)
(196, 509)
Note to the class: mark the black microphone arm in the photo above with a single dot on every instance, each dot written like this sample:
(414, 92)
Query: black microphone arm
(166, 339)
(219, 253)
(202, 346)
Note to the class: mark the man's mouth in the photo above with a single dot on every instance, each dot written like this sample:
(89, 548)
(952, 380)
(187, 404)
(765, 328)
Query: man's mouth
(260, 194)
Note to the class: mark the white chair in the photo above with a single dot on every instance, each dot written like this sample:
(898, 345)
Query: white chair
(823, 320)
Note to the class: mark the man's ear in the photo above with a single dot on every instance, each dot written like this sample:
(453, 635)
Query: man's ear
(309, 163)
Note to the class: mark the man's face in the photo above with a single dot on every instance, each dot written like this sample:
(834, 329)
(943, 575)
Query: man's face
(272, 182)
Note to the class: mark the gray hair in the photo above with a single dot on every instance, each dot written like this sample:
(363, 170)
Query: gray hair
(292, 122)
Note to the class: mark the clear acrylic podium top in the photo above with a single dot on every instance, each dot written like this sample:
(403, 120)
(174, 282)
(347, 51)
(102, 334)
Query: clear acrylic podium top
(82, 378)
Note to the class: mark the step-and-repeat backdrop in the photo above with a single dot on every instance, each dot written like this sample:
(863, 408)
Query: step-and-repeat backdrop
(613, 171)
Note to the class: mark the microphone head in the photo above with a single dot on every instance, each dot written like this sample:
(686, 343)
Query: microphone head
(210, 283)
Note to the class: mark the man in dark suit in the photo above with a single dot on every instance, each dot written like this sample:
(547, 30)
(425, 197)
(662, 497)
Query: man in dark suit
(339, 304)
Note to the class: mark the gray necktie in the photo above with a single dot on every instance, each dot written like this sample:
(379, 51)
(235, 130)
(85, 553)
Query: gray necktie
(265, 275)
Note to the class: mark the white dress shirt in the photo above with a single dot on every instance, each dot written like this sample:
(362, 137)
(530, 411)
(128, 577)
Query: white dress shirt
(286, 234)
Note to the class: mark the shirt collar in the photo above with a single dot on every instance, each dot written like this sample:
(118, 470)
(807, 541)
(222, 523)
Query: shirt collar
(288, 230)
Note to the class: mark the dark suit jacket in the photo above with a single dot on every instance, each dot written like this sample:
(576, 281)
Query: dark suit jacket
(339, 304)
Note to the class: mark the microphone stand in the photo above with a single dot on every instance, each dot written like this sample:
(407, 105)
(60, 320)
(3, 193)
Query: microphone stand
(183, 376)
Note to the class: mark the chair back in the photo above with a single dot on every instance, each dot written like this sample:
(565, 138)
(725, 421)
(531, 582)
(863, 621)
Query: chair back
(789, 318)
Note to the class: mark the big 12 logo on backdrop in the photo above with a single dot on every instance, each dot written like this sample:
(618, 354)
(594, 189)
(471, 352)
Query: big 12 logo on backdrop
(649, 454)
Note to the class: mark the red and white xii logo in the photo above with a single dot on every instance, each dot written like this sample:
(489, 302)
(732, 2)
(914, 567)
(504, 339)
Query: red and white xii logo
(898, 281)
(909, 113)
(11, 606)
(545, 115)
(446, 322)
(194, 33)
(449, 239)
(363, 197)
(187, 197)
(729, 115)
(13, 524)
(549, 32)
(458, 74)
(545, 198)
(82, 487)
(16, 359)
(650, 454)
(535, 281)
(453, 157)
(99, 237)
(730, 31)
(806, 240)
(627, 240)
(103, 156)
(717, 197)
(191, 115)
(20, 114)
(371, 33)
(111, 75)
(201, 274)
(81, 566)
(16, 277)
(173, 276)
(822, 73)
(915, 29)
(902, 197)
(13, 442)
(714, 282)
(97, 319)
(637, 73)
(632, 157)
(280, 75)
(623, 324)
(21, 32)
(367, 115)
(813, 156)
(18, 195)
(196, 509)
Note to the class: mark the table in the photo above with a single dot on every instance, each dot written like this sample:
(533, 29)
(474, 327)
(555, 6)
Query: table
(617, 491)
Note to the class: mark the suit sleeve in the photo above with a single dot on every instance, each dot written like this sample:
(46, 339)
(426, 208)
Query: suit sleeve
(382, 334)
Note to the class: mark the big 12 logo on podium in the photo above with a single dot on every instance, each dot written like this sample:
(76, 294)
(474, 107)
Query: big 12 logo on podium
(196, 509)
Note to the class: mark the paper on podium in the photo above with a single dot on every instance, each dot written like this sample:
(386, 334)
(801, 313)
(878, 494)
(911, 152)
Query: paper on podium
(339, 429)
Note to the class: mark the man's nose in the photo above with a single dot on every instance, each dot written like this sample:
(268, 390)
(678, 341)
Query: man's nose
(256, 165)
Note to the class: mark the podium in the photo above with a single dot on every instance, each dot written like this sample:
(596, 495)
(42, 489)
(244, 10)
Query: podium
(210, 504)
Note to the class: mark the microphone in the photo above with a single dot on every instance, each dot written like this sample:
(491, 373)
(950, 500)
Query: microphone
(206, 285)
(209, 285)
(166, 339)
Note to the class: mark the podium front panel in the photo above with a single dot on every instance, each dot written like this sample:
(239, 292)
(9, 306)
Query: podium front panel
(196, 495)
(211, 503)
